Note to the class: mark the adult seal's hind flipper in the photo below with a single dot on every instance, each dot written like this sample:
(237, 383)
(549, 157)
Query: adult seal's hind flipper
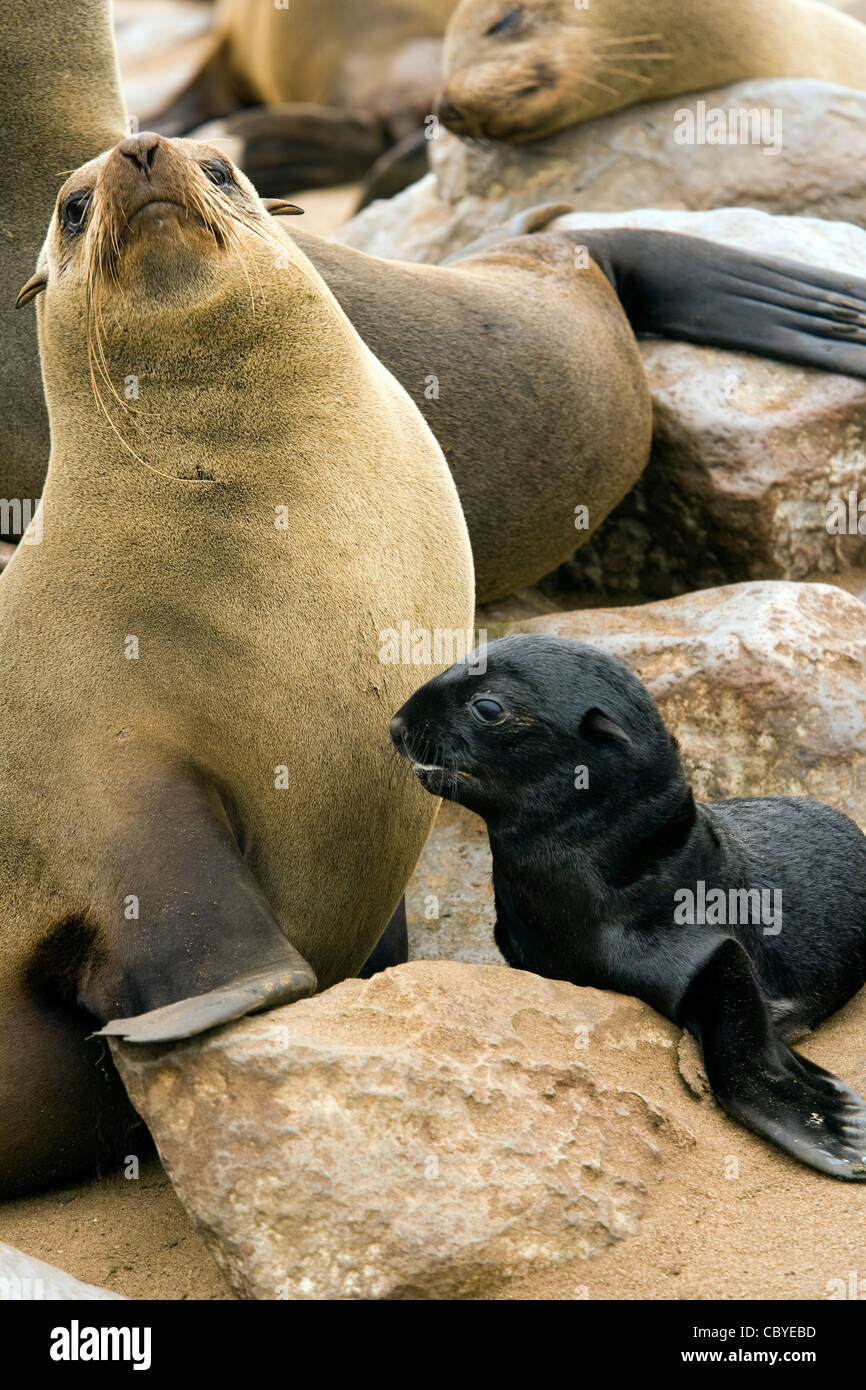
(698, 291)
(763, 1083)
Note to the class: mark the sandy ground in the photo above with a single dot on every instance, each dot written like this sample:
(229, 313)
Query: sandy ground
(130, 1236)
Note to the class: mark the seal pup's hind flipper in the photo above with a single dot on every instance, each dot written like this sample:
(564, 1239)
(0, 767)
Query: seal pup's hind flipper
(760, 1081)
(698, 291)
(203, 946)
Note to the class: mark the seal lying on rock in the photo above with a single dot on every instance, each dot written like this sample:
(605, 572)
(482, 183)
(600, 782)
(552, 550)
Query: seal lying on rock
(240, 499)
(519, 70)
(522, 357)
(743, 921)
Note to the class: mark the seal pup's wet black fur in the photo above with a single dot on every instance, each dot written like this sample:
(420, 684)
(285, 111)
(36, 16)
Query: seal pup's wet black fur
(597, 842)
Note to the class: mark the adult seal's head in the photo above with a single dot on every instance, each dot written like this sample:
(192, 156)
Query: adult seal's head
(520, 70)
(151, 231)
(606, 872)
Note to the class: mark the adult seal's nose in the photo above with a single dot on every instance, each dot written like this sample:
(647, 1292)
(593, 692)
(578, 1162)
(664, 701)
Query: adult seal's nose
(141, 149)
(397, 730)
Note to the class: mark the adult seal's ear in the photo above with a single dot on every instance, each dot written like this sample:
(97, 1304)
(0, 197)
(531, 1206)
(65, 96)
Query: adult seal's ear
(35, 285)
(278, 207)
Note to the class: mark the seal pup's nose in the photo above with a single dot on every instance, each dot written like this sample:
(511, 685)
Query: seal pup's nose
(397, 730)
(141, 149)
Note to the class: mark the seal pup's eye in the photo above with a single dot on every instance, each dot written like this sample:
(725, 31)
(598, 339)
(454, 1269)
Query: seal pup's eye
(218, 173)
(74, 210)
(509, 21)
(487, 710)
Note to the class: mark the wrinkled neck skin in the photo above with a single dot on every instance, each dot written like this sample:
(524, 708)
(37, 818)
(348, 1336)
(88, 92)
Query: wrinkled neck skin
(562, 891)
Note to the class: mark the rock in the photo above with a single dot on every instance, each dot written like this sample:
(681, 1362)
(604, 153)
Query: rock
(431, 1133)
(764, 685)
(630, 160)
(23, 1279)
(449, 902)
(748, 454)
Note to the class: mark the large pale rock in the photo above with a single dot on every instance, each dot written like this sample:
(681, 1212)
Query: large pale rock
(764, 685)
(631, 160)
(433, 1132)
(450, 1130)
(747, 453)
(23, 1279)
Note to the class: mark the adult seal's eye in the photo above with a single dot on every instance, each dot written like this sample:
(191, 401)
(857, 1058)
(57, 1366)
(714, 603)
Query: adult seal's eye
(508, 21)
(218, 174)
(488, 711)
(74, 210)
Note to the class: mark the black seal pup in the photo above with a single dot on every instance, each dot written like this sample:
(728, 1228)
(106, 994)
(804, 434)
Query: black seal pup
(743, 921)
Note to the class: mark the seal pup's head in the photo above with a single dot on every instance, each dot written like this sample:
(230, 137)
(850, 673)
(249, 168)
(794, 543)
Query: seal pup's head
(519, 70)
(552, 732)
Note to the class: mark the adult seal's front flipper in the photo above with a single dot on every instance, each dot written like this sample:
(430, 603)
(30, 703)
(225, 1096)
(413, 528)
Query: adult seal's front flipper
(760, 1081)
(698, 291)
(282, 983)
(202, 946)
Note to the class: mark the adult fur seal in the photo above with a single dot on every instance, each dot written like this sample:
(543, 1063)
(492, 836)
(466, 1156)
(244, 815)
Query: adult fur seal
(210, 827)
(520, 71)
(522, 357)
(598, 849)
(60, 105)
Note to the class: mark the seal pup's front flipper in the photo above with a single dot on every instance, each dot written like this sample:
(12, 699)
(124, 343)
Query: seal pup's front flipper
(760, 1081)
(201, 946)
(698, 291)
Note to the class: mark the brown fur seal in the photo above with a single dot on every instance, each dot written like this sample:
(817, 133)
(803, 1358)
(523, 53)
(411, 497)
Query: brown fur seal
(195, 782)
(60, 105)
(523, 358)
(383, 56)
(521, 69)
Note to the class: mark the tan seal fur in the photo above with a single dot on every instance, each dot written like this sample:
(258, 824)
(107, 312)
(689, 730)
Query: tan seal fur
(528, 372)
(60, 105)
(382, 56)
(521, 69)
(232, 780)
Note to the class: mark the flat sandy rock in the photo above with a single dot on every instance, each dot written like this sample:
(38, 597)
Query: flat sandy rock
(467, 1131)
(632, 160)
(433, 1132)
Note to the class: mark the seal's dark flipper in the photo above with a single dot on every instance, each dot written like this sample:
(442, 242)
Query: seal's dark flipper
(698, 291)
(179, 936)
(249, 994)
(404, 164)
(392, 947)
(297, 146)
(760, 1081)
